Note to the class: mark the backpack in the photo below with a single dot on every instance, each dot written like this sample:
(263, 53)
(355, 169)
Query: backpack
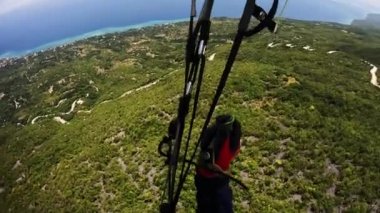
(219, 146)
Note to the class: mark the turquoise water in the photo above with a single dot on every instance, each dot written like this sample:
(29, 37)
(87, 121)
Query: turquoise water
(16, 54)
(37, 27)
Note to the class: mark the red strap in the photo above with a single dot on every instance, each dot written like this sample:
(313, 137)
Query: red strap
(226, 155)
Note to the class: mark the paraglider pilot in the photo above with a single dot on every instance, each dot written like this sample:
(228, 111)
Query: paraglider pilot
(219, 147)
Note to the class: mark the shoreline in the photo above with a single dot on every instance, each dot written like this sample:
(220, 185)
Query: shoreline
(99, 32)
(109, 30)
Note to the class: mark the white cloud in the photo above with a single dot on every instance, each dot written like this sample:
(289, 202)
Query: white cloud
(365, 5)
(8, 6)
(12, 6)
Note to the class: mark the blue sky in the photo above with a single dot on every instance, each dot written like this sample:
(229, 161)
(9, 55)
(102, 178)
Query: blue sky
(25, 24)
(15, 8)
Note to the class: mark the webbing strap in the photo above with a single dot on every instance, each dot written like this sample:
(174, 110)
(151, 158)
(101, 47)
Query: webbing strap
(194, 70)
(249, 10)
(195, 65)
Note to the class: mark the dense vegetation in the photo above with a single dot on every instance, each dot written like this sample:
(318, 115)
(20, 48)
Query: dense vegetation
(310, 120)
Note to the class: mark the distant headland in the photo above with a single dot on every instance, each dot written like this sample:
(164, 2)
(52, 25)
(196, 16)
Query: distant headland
(371, 21)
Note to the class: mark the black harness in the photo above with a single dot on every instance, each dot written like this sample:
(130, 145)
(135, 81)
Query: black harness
(197, 41)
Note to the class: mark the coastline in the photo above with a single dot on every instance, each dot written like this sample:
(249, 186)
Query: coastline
(99, 32)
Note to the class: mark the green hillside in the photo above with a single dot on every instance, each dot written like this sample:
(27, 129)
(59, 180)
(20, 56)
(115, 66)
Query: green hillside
(310, 120)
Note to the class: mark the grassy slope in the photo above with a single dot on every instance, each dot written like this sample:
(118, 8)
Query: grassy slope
(312, 144)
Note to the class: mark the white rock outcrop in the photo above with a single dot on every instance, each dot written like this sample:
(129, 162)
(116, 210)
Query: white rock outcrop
(51, 89)
(308, 48)
(331, 52)
(211, 58)
(17, 104)
(60, 120)
(373, 72)
(272, 45)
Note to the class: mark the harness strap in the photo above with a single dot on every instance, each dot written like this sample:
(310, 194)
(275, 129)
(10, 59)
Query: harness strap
(242, 32)
(215, 168)
(194, 70)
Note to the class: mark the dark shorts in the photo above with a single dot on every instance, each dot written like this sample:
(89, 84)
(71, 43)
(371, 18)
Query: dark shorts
(214, 195)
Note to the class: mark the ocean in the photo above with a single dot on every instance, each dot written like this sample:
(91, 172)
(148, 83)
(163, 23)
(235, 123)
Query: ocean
(52, 44)
(45, 24)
